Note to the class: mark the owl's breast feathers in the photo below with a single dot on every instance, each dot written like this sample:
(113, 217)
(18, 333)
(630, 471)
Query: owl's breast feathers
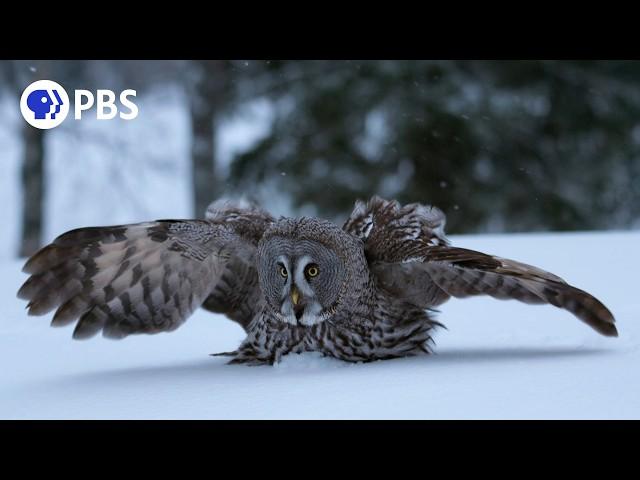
(383, 334)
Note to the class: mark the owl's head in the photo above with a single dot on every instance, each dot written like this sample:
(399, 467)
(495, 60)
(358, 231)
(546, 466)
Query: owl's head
(309, 269)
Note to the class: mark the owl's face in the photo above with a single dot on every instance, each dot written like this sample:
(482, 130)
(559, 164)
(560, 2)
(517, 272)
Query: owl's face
(302, 279)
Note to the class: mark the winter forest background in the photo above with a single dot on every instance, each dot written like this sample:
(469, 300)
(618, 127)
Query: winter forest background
(500, 146)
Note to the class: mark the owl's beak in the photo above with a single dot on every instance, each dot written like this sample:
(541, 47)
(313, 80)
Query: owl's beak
(295, 295)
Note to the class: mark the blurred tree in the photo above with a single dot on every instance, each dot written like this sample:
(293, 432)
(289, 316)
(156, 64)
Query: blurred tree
(209, 92)
(19, 74)
(72, 74)
(499, 145)
(33, 190)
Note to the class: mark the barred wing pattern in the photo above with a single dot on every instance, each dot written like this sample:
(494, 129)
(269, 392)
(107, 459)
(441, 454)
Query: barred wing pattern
(138, 278)
(410, 256)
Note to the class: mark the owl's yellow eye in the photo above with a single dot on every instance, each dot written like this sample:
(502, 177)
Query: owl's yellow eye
(283, 272)
(312, 271)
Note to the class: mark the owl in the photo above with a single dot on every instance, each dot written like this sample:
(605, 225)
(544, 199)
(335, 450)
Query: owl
(363, 292)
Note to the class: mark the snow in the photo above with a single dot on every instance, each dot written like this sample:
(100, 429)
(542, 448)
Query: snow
(497, 360)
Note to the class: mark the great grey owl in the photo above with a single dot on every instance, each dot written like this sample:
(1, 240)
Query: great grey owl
(362, 292)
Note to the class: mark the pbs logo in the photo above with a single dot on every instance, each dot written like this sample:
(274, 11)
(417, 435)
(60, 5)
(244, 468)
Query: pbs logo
(45, 104)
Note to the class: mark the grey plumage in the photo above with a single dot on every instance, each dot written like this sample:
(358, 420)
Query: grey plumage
(361, 292)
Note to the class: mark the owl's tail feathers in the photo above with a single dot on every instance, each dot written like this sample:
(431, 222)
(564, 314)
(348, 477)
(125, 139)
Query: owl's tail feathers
(462, 273)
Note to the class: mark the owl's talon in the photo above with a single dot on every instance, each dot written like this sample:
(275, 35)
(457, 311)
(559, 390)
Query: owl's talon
(251, 361)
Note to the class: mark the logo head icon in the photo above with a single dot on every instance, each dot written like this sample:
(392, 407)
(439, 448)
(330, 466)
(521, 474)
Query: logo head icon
(44, 104)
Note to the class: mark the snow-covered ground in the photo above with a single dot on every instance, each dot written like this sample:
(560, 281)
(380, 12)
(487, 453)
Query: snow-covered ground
(498, 359)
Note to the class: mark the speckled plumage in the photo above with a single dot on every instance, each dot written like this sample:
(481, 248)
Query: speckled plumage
(375, 283)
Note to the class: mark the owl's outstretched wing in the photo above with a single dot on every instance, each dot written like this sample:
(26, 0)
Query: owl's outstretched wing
(146, 277)
(410, 256)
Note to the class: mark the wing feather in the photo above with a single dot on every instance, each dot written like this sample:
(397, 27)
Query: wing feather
(410, 256)
(146, 277)
(139, 278)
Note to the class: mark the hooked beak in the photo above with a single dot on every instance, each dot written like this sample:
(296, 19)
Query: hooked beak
(295, 295)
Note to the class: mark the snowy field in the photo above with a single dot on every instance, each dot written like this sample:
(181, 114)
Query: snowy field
(498, 359)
